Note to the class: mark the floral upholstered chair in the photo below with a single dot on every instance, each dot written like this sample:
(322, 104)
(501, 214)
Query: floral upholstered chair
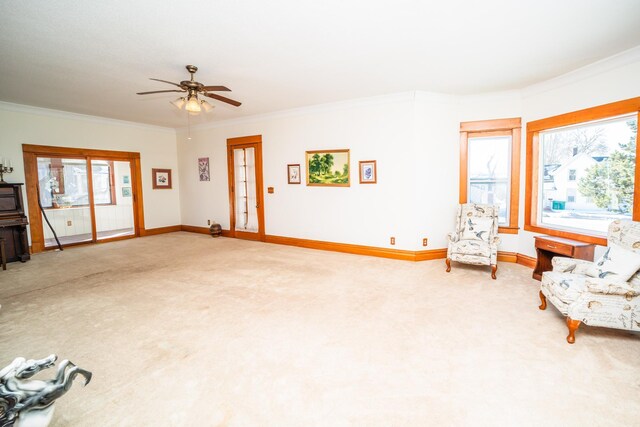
(603, 293)
(475, 240)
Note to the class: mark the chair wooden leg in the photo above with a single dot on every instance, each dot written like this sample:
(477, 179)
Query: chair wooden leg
(448, 262)
(573, 327)
(494, 268)
(543, 306)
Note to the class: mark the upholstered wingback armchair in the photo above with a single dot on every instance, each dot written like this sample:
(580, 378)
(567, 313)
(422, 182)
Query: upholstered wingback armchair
(599, 293)
(475, 240)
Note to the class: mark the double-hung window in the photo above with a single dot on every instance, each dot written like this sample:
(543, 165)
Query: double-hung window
(489, 167)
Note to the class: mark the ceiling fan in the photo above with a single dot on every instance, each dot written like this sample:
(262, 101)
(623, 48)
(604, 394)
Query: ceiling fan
(192, 88)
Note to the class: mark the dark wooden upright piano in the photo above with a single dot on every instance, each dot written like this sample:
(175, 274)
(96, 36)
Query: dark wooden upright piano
(13, 222)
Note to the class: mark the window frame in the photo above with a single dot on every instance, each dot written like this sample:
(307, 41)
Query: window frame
(488, 128)
(601, 112)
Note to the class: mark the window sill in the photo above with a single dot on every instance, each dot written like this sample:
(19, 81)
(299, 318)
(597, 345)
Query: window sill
(585, 238)
(508, 230)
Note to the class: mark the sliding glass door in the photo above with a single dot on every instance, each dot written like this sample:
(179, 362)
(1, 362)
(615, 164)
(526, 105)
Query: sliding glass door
(85, 199)
(64, 198)
(112, 198)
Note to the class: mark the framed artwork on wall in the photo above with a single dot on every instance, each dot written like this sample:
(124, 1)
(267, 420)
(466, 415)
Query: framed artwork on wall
(125, 179)
(368, 172)
(293, 174)
(126, 191)
(203, 168)
(329, 168)
(161, 179)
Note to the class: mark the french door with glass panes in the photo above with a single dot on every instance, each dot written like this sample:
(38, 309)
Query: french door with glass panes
(244, 158)
(85, 199)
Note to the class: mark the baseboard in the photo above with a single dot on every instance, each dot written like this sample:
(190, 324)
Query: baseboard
(526, 260)
(195, 229)
(159, 230)
(430, 254)
(400, 254)
(507, 256)
(202, 230)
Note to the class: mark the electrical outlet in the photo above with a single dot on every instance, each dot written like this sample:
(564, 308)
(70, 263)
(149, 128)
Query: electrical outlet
(68, 223)
(393, 240)
(208, 222)
(424, 241)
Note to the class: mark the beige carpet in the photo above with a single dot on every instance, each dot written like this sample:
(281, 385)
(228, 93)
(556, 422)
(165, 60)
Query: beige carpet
(185, 330)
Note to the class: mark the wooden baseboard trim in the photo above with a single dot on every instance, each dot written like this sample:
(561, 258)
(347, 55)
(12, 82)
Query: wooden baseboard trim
(507, 256)
(160, 230)
(430, 254)
(195, 229)
(400, 254)
(526, 260)
(202, 230)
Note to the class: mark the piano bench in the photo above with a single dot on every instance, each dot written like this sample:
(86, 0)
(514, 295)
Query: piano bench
(3, 254)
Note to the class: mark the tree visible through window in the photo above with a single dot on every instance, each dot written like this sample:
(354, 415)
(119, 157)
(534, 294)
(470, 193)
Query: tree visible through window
(593, 165)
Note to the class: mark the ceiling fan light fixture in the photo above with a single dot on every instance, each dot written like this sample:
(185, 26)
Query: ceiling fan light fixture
(193, 106)
(178, 103)
(206, 106)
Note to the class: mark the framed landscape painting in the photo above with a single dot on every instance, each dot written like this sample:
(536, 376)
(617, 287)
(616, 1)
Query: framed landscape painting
(328, 168)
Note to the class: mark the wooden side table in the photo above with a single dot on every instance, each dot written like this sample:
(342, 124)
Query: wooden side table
(548, 246)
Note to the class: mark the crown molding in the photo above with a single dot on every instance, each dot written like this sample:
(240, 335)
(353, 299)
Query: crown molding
(46, 112)
(618, 60)
(311, 109)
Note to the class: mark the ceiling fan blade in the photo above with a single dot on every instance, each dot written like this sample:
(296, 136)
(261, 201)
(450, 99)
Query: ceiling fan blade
(159, 91)
(223, 99)
(164, 81)
(216, 88)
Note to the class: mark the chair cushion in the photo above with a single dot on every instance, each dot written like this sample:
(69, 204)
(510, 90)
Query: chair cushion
(566, 287)
(616, 261)
(471, 247)
(477, 229)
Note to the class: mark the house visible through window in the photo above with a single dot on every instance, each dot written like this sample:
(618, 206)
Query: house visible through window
(603, 169)
(489, 172)
(583, 169)
(489, 167)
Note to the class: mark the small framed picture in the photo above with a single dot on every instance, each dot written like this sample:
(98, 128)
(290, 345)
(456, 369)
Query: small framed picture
(368, 172)
(125, 179)
(203, 168)
(126, 191)
(161, 179)
(293, 172)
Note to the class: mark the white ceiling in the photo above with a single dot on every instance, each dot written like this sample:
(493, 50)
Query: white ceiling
(91, 57)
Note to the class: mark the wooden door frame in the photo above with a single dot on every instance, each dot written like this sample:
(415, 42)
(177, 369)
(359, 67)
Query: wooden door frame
(30, 154)
(253, 141)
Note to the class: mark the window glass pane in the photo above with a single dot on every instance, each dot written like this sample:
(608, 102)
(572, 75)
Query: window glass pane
(101, 182)
(489, 169)
(587, 174)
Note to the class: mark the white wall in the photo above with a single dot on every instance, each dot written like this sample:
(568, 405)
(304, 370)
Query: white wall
(413, 136)
(375, 129)
(157, 147)
(415, 139)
